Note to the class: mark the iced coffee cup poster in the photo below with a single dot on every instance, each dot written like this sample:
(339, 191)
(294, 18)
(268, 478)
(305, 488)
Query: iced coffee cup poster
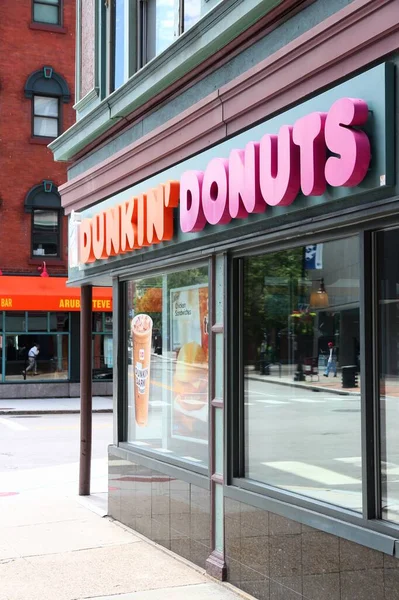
(189, 341)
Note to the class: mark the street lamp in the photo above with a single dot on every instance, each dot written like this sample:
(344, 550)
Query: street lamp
(319, 299)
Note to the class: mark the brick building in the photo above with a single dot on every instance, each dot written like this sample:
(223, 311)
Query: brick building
(37, 64)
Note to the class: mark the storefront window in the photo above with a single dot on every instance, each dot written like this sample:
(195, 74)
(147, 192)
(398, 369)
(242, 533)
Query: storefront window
(25, 330)
(388, 272)
(301, 348)
(103, 361)
(37, 321)
(168, 365)
(51, 362)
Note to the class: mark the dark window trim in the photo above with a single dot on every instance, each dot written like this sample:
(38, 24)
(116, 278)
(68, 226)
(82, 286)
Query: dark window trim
(53, 25)
(55, 262)
(59, 234)
(41, 141)
(335, 525)
(58, 119)
(47, 27)
(368, 526)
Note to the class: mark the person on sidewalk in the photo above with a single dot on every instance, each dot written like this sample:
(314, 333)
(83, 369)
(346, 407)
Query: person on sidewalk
(32, 356)
(332, 360)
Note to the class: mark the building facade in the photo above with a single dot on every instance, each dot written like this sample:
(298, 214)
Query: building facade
(233, 177)
(37, 66)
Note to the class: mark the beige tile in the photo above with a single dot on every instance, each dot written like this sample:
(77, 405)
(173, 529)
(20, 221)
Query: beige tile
(65, 536)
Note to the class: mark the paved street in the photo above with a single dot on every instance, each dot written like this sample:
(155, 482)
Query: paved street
(53, 547)
(41, 452)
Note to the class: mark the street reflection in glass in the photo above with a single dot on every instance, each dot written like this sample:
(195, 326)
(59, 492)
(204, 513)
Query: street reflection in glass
(388, 270)
(302, 365)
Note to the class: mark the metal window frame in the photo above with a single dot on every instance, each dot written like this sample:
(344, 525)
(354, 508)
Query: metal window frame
(367, 527)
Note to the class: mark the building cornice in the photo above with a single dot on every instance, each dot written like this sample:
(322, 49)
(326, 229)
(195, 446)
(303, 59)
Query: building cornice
(363, 32)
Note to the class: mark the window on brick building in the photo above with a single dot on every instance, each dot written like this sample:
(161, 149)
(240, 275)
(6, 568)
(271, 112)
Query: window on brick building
(45, 116)
(48, 91)
(46, 233)
(44, 203)
(47, 11)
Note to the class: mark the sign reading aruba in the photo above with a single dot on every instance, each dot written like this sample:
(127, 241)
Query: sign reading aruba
(319, 149)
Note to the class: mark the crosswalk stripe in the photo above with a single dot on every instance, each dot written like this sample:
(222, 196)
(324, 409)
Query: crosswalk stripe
(312, 472)
(13, 425)
(272, 401)
(307, 401)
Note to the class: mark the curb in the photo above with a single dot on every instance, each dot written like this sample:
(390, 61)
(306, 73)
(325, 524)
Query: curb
(313, 388)
(52, 412)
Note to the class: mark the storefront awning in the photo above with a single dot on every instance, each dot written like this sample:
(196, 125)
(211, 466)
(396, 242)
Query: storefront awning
(47, 294)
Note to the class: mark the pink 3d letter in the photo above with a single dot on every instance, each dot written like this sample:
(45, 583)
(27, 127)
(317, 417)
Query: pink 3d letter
(244, 188)
(309, 136)
(215, 192)
(352, 146)
(279, 168)
(191, 213)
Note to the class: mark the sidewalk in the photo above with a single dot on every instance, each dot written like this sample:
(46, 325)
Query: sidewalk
(55, 406)
(55, 548)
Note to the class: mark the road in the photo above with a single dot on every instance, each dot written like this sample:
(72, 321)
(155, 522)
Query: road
(41, 452)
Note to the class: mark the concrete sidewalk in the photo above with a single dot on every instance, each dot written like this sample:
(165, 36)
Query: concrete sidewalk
(101, 404)
(53, 547)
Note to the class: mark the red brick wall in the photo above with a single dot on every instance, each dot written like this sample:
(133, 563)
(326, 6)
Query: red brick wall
(24, 164)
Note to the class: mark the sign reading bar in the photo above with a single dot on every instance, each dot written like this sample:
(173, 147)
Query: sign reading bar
(47, 294)
(319, 149)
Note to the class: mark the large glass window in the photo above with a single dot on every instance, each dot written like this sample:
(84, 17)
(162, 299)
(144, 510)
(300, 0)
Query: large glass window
(388, 273)
(161, 26)
(168, 365)
(26, 330)
(191, 13)
(301, 347)
(162, 21)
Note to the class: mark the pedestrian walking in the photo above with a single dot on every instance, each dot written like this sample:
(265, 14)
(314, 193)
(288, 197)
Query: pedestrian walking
(32, 360)
(332, 360)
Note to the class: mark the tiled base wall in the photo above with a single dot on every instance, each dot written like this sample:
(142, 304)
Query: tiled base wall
(60, 389)
(171, 512)
(274, 558)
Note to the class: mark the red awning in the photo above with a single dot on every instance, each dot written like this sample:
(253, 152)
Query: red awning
(47, 294)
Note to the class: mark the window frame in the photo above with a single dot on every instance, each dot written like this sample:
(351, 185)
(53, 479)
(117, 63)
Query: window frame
(59, 5)
(58, 118)
(59, 234)
(370, 529)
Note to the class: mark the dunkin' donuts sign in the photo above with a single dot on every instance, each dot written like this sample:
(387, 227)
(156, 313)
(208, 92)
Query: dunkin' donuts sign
(317, 150)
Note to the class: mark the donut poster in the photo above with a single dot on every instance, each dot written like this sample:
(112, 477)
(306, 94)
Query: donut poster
(190, 343)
